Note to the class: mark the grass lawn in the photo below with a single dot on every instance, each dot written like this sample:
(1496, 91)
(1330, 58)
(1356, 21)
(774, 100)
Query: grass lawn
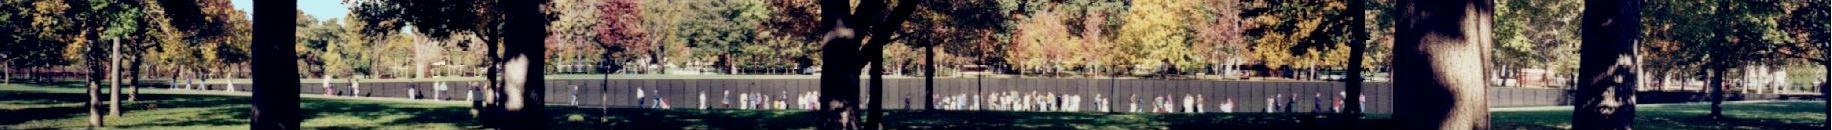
(60, 107)
(1754, 115)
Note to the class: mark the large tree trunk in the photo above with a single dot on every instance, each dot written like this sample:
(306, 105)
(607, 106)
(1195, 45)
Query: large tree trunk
(928, 78)
(489, 108)
(840, 79)
(94, 82)
(275, 72)
(1608, 70)
(1357, 46)
(95, 101)
(875, 106)
(845, 54)
(1439, 58)
(524, 89)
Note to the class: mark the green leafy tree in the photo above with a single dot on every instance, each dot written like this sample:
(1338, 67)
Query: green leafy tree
(516, 89)
(1536, 34)
(1715, 36)
(719, 30)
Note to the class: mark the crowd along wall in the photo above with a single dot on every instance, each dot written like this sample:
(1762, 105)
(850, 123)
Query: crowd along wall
(1080, 94)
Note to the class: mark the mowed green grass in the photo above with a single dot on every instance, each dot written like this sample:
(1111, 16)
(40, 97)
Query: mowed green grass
(1751, 115)
(60, 107)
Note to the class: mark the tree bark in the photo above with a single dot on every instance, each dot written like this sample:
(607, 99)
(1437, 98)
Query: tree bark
(133, 78)
(875, 106)
(928, 78)
(275, 72)
(524, 88)
(1439, 57)
(1357, 46)
(840, 79)
(114, 78)
(1608, 69)
(94, 83)
(844, 33)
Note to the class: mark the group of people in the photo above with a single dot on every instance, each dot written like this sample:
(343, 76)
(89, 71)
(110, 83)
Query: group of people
(1017, 101)
(356, 89)
(743, 100)
(1189, 103)
(1013, 101)
(1318, 103)
(747, 101)
(198, 83)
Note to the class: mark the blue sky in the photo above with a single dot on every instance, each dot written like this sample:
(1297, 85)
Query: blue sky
(320, 9)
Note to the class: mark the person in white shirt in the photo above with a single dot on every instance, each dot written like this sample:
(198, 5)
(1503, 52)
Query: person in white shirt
(326, 82)
(1100, 103)
(469, 94)
(1228, 107)
(702, 100)
(1272, 103)
(1198, 104)
(356, 89)
(1189, 103)
(574, 95)
(1134, 104)
(439, 91)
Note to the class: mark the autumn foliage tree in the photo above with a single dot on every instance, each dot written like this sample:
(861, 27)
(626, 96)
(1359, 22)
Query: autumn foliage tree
(513, 98)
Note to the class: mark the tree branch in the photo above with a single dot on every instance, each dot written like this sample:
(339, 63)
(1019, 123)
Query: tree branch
(868, 13)
(1805, 57)
(898, 15)
(1795, 52)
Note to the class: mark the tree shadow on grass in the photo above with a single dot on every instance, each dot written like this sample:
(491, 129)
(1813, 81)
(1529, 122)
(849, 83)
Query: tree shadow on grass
(314, 108)
(146, 102)
(219, 116)
(38, 100)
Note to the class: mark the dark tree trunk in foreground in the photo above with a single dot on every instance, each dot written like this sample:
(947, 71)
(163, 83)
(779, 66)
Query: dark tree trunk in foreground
(874, 114)
(928, 78)
(523, 87)
(275, 72)
(845, 55)
(1358, 45)
(1439, 56)
(1608, 71)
